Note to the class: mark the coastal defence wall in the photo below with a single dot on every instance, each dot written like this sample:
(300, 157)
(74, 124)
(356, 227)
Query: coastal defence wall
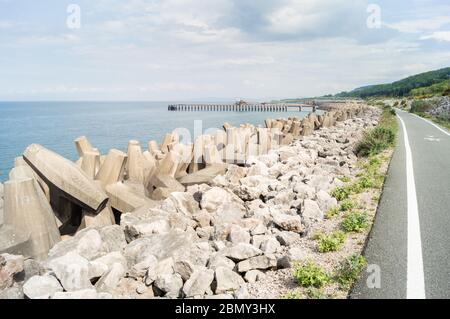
(61, 197)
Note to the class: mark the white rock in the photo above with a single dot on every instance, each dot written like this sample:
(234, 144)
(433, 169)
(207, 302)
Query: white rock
(270, 245)
(325, 201)
(258, 262)
(218, 260)
(288, 222)
(311, 210)
(169, 284)
(72, 270)
(111, 279)
(253, 276)
(41, 287)
(227, 280)
(242, 251)
(199, 283)
(239, 235)
(161, 268)
(90, 244)
(287, 238)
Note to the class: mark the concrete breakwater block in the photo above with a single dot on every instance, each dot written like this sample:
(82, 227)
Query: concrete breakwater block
(124, 199)
(28, 212)
(112, 169)
(66, 177)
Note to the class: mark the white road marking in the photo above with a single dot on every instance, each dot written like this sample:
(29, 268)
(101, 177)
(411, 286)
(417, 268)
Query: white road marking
(432, 139)
(429, 122)
(415, 282)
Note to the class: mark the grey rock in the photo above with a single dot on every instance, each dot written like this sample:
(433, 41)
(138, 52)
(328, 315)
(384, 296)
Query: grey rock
(253, 276)
(163, 267)
(160, 245)
(41, 287)
(288, 222)
(259, 230)
(113, 238)
(287, 238)
(239, 235)
(169, 284)
(219, 260)
(242, 251)
(184, 268)
(270, 245)
(242, 293)
(325, 201)
(227, 280)
(199, 283)
(89, 245)
(258, 262)
(140, 269)
(311, 211)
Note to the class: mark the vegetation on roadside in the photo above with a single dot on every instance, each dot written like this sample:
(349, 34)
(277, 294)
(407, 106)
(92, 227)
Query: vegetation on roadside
(331, 242)
(310, 275)
(421, 107)
(355, 222)
(381, 137)
(349, 270)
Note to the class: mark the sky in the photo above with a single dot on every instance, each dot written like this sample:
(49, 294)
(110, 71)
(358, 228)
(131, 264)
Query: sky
(165, 50)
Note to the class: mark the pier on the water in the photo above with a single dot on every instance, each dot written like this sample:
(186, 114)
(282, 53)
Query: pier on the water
(244, 107)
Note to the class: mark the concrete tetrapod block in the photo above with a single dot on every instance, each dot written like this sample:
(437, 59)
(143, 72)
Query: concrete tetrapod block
(102, 219)
(169, 164)
(25, 171)
(28, 212)
(204, 176)
(165, 181)
(124, 199)
(83, 145)
(169, 138)
(66, 177)
(112, 170)
(138, 168)
(212, 155)
(90, 163)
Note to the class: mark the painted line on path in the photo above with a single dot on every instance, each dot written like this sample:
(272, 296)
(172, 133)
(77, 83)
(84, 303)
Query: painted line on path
(415, 285)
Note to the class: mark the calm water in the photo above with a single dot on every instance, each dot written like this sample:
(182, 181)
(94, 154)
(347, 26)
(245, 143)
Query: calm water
(106, 124)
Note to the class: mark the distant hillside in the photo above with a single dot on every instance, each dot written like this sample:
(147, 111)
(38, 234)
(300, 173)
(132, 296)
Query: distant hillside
(428, 83)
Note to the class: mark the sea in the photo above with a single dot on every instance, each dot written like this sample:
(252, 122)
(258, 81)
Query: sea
(107, 125)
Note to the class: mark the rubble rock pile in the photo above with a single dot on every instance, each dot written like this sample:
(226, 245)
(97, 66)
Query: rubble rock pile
(176, 221)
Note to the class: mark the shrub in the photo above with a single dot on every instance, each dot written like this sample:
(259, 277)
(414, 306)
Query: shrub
(311, 275)
(345, 179)
(346, 205)
(349, 270)
(355, 222)
(375, 141)
(332, 242)
(341, 193)
(365, 182)
(332, 212)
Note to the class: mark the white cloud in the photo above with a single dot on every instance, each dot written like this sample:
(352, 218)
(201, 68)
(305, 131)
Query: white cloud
(438, 35)
(419, 25)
